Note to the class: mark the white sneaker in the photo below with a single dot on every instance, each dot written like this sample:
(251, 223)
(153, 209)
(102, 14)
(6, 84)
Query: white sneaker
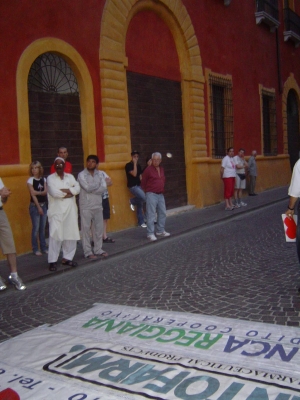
(163, 234)
(143, 225)
(2, 284)
(152, 238)
(243, 204)
(17, 282)
(131, 206)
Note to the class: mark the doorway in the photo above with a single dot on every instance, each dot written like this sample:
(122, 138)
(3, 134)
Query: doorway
(156, 125)
(293, 127)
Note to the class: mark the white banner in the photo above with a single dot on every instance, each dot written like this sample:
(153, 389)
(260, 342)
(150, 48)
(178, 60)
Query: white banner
(118, 352)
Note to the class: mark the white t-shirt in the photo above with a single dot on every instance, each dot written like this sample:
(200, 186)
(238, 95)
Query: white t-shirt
(105, 194)
(294, 189)
(229, 167)
(30, 180)
(239, 161)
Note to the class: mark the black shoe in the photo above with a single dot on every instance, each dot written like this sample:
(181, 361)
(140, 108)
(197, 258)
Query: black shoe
(52, 267)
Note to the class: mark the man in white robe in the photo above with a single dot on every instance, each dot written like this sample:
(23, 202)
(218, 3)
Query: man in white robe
(62, 215)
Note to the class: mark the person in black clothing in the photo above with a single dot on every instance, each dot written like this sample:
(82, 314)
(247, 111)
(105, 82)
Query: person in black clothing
(37, 187)
(148, 162)
(133, 173)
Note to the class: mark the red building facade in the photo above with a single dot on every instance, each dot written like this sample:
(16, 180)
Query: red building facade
(182, 76)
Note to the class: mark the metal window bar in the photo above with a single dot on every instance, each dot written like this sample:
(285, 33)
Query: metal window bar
(269, 124)
(221, 115)
(50, 73)
(270, 7)
(291, 21)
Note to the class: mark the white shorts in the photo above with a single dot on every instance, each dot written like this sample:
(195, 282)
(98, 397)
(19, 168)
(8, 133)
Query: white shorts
(240, 183)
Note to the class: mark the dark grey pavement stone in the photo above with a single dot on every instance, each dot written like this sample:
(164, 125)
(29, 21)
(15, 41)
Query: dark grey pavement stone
(234, 265)
(32, 267)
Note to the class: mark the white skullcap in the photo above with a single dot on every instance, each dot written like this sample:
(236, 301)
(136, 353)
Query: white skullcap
(60, 158)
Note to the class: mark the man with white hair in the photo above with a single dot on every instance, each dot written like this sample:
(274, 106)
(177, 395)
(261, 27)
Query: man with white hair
(153, 184)
(62, 215)
(252, 173)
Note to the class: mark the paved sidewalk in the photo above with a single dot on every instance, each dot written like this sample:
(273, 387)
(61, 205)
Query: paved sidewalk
(31, 267)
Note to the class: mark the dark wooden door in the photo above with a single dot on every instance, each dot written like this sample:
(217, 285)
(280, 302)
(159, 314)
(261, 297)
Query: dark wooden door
(155, 111)
(293, 127)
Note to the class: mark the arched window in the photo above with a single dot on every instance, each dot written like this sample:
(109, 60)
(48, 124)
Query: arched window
(51, 73)
(54, 111)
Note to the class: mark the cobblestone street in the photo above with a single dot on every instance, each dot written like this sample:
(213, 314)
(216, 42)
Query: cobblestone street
(238, 267)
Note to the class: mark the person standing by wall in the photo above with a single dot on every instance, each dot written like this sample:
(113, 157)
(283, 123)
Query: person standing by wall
(63, 153)
(252, 168)
(153, 183)
(228, 174)
(133, 173)
(92, 186)
(106, 208)
(37, 187)
(7, 243)
(241, 166)
(62, 215)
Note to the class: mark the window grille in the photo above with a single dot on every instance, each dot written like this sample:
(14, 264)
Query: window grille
(269, 124)
(291, 21)
(221, 115)
(50, 73)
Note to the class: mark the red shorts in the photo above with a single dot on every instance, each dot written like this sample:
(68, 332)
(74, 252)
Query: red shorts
(228, 187)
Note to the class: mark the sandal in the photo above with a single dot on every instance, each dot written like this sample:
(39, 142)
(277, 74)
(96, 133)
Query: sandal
(52, 267)
(69, 262)
(92, 257)
(108, 240)
(104, 254)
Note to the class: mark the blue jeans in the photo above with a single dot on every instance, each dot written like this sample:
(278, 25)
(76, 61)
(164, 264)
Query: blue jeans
(38, 227)
(155, 203)
(138, 200)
